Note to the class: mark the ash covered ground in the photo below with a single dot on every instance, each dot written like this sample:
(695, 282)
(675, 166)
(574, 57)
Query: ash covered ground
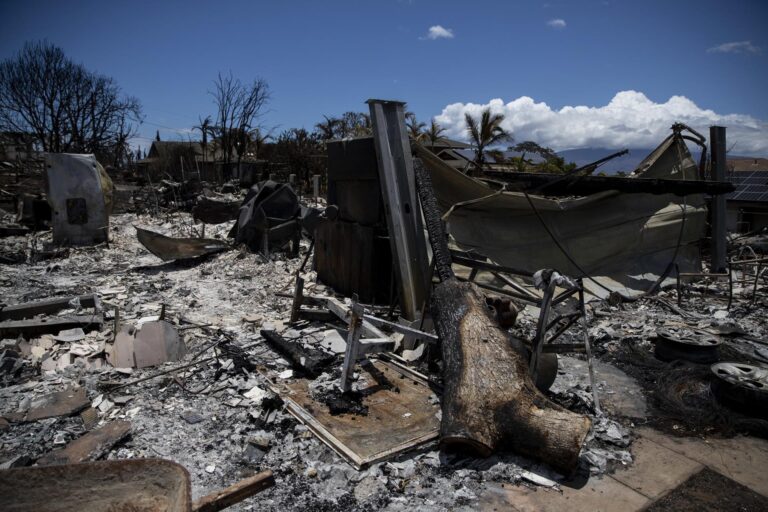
(218, 420)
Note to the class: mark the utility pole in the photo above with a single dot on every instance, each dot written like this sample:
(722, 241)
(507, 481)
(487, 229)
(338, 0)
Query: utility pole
(718, 154)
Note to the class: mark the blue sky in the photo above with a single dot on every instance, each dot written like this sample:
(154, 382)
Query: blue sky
(329, 57)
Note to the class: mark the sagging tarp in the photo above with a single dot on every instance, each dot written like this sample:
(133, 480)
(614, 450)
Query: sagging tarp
(80, 195)
(269, 208)
(625, 242)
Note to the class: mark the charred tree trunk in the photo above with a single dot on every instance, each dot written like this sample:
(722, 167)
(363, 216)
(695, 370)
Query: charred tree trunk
(489, 400)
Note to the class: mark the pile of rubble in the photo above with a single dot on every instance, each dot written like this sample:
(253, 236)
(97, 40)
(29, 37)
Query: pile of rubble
(213, 411)
(217, 347)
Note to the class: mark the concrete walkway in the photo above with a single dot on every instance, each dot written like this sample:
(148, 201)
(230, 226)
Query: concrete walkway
(661, 464)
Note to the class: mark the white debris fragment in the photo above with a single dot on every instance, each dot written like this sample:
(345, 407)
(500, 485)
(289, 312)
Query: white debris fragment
(537, 479)
(256, 394)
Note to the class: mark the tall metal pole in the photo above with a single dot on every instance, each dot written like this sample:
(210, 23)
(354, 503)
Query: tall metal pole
(718, 247)
(401, 205)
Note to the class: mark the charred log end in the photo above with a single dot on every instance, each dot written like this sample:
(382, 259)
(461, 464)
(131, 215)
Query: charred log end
(489, 401)
(558, 447)
(463, 443)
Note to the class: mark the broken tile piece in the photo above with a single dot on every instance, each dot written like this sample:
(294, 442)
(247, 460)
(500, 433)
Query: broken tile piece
(191, 417)
(70, 335)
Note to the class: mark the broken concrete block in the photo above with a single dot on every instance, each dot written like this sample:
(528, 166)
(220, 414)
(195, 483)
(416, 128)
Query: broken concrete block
(63, 361)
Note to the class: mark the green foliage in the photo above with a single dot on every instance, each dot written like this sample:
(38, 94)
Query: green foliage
(485, 132)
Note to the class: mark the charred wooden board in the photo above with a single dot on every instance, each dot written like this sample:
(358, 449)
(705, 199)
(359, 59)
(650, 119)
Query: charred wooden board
(309, 361)
(90, 446)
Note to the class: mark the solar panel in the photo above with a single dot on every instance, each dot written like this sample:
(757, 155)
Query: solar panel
(750, 186)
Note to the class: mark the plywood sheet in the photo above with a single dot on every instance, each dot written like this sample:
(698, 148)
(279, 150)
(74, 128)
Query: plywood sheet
(401, 415)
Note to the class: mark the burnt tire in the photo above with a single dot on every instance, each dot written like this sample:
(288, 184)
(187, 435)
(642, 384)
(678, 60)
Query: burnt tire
(695, 348)
(742, 387)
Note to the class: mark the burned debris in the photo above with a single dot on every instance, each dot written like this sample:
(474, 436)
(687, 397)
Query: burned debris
(409, 337)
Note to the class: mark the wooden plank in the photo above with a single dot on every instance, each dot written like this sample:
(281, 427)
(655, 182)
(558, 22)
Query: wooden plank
(236, 493)
(400, 417)
(45, 307)
(91, 446)
(49, 325)
(62, 403)
(343, 312)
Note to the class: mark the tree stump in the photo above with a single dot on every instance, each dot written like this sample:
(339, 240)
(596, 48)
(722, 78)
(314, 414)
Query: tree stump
(489, 401)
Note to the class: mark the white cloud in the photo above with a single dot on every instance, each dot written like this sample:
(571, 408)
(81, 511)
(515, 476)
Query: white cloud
(557, 23)
(439, 32)
(735, 47)
(629, 120)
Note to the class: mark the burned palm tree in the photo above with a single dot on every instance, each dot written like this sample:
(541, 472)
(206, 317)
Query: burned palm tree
(327, 129)
(485, 133)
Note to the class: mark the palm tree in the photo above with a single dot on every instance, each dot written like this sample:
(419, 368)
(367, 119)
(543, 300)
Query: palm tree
(414, 126)
(205, 129)
(485, 133)
(434, 133)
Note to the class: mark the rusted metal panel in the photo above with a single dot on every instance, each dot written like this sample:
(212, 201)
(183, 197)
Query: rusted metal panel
(353, 181)
(167, 248)
(401, 415)
(352, 259)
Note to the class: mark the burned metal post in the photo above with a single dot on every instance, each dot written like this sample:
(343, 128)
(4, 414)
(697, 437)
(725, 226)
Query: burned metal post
(406, 230)
(316, 187)
(718, 248)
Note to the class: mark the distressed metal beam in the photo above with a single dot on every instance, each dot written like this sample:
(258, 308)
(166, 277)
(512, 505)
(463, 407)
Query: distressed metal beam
(404, 222)
(717, 147)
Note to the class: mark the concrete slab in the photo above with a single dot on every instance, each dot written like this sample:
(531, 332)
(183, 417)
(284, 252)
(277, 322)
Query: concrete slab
(598, 495)
(656, 469)
(619, 393)
(744, 459)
